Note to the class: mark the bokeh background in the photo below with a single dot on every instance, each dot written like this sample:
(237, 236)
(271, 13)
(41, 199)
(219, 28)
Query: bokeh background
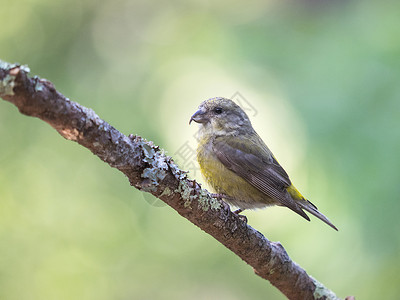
(320, 81)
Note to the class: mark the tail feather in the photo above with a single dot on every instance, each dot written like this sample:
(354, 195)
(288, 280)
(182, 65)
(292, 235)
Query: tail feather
(311, 208)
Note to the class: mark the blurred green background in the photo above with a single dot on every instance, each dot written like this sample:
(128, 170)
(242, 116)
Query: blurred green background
(323, 79)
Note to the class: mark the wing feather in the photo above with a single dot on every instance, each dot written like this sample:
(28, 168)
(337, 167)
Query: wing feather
(257, 166)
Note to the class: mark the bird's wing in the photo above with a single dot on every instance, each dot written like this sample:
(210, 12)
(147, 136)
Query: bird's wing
(251, 159)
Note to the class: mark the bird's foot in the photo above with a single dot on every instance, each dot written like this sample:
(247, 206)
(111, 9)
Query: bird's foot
(238, 211)
(241, 217)
(219, 196)
(223, 196)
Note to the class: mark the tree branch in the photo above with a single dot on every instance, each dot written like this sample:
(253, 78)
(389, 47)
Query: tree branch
(150, 170)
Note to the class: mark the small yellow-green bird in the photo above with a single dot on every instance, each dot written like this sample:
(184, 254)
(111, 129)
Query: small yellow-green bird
(238, 165)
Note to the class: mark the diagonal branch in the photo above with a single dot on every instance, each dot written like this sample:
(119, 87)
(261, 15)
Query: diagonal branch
(150, 170)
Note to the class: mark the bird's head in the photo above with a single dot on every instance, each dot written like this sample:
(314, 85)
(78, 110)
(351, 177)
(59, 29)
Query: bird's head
(222, 116)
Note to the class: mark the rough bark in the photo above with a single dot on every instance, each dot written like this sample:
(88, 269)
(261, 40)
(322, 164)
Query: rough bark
(150, 170)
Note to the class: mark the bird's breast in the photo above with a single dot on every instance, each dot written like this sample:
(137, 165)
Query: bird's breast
(224, 181)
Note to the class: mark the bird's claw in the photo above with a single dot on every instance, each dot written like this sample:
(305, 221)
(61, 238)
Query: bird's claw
(238, 211)
(218, 196)
(241, 217)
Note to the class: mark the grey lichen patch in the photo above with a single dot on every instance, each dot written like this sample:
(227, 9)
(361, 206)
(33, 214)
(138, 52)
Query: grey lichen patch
(204, 200)
(176, 171)
(204, 203)
(151, 184)
(167, 192)
(24, 68)
(157, 170)
(149, 153)
(321, 292)
(7, 66)
(39, 86)
(214, 203)
(185, 190)
(7, 86)
(8, 83)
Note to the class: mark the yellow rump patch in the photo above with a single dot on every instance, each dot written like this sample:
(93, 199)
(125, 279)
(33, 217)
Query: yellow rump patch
(294, 192)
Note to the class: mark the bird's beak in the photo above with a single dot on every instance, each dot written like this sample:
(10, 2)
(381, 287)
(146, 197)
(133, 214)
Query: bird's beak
(199, 117)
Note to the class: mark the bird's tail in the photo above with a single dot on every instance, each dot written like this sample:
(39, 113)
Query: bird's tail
(311, 208)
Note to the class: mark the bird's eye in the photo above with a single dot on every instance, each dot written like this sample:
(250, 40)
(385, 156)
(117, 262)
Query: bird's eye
(218, 110)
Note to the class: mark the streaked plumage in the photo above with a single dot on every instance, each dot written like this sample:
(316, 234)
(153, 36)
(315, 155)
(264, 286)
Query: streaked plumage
(236, 162)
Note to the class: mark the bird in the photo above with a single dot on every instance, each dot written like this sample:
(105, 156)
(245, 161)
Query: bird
(238, 165)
